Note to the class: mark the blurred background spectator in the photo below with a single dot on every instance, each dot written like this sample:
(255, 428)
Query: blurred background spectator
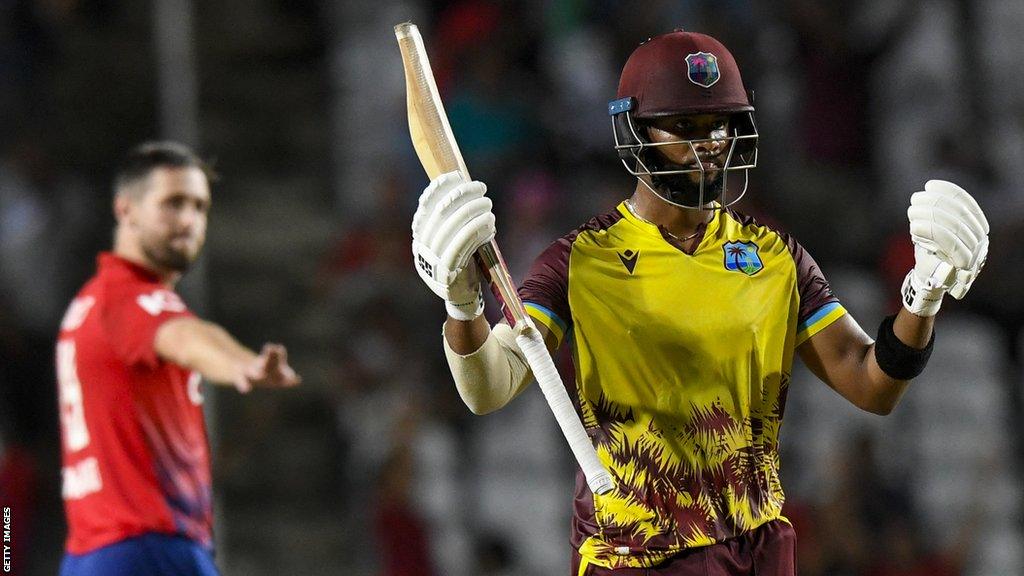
(375, 464)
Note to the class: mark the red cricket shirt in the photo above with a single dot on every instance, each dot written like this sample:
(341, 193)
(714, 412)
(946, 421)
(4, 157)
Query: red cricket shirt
(134, 447)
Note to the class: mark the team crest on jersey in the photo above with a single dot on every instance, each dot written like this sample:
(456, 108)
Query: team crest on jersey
(702, 69)
(742, 257)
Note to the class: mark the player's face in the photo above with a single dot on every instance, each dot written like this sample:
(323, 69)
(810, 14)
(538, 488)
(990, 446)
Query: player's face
(169, 218)
(710, 131)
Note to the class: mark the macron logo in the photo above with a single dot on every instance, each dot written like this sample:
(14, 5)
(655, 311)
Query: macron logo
(629, 259)
(160, 301)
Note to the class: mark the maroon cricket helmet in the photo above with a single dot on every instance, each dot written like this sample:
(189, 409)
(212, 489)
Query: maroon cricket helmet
(683, 73)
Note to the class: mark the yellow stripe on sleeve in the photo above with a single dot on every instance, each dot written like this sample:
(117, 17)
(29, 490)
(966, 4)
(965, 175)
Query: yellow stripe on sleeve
(818, 321)
(549, 319)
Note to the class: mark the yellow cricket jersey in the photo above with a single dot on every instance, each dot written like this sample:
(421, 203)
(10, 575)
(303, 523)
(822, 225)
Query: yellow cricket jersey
(682, 364)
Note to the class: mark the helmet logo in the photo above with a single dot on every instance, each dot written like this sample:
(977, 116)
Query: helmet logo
(702, 69)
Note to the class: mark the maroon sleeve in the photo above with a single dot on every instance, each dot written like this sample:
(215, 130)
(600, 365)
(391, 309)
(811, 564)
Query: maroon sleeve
(131, 317)
(547, 282)
(812, 286)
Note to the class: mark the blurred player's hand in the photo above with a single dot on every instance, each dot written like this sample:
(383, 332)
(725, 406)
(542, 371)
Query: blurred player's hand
(453, 219)
(950, 235)
(270, 369)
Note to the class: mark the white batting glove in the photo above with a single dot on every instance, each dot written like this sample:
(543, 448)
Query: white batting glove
(453, 219)
(950, 235)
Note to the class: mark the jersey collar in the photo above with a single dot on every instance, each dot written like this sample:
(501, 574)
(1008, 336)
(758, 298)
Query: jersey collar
(110, 262)
(704, 231)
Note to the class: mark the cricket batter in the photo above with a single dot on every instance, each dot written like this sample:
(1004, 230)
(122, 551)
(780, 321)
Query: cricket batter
(683, 318)
(130, 358)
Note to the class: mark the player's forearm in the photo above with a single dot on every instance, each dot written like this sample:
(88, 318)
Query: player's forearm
(914, 331)
(882, 392)
(885, 390)
(491, 374)
(859, 379)
(466, 337)
(204, 347)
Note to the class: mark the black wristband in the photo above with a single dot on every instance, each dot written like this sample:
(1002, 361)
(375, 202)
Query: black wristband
(895, 358)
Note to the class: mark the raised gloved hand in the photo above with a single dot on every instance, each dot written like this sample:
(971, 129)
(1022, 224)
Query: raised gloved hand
(453, 219)
(950, 235)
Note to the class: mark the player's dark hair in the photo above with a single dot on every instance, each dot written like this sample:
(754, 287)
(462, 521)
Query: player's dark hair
(140, 161)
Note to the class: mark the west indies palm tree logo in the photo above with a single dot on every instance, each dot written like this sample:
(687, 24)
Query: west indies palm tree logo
(702, 69)
(742, 256)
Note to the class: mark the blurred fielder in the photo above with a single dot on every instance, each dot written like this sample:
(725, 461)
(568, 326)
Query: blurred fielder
(683, 318)
(130, 359)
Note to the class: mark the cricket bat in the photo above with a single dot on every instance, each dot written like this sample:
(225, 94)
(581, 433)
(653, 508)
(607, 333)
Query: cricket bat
(439, 153)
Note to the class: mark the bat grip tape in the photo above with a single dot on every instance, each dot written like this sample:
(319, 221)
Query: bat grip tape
(532, 346)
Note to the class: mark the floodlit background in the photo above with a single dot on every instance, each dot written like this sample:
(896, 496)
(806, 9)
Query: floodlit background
(374, 460)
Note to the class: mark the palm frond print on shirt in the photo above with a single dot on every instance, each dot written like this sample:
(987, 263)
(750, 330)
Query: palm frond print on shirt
(687, 480)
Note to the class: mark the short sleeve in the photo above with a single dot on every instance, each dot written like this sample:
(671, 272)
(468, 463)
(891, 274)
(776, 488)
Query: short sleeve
(545, 291)
(819, 306)
(131, 317)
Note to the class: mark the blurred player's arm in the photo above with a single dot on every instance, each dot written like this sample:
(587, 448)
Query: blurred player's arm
(211, 351)
(950, 235)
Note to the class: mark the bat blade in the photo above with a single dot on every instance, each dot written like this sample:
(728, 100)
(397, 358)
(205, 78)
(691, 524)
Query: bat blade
(439, 153)
(428, 124)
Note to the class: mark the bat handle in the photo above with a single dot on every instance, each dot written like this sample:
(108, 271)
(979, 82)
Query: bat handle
(537, 356)
(494, 269)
